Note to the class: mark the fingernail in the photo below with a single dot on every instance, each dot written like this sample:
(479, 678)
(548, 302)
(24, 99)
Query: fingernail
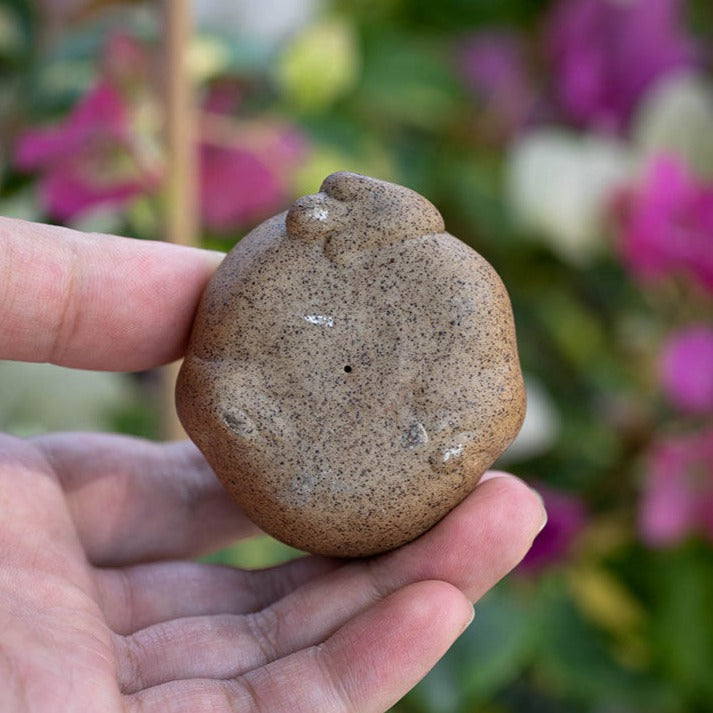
(215, 257)
(544, 510)
(469, 621)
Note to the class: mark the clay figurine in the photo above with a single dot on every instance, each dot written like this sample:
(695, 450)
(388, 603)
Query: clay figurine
(352, 370)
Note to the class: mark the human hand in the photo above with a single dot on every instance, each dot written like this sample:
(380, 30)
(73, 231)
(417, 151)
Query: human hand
(100, 611)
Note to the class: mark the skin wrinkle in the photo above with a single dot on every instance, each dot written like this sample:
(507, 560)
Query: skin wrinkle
(130, 654)
(35, 279)
(9, 672)
(264, 628)
(341, 692)
(7, 264)
(68, 319)
(244, 683)
(257, 646)
(128, 594)
(372, 569)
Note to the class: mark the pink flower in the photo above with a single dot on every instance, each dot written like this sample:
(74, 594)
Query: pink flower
(687, 369)
(666, 224)
(606, 54)
(246, 176)
(494, 68)
(566, 517)
(678, 490)
(236, 187)
(89, 159)
(96, 156)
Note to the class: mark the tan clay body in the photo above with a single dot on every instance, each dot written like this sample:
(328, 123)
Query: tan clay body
(352, 370)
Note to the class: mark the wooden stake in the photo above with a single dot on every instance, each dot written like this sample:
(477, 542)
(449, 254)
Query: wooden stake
(181, 189)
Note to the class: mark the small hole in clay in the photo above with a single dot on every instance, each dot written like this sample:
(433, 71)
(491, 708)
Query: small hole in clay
(348, 369)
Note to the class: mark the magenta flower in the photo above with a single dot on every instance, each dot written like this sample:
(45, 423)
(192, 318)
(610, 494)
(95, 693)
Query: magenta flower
(566, 517)
(494, 68)
(237, 188)
(666, 224)
(677, 498)
(90, 159)
(606, 54)
(687, 369)
(247, 177)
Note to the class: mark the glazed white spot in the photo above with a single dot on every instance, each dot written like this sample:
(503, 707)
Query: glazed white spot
(322, 320)
(452, 452)
(320, 213)
(415, 436)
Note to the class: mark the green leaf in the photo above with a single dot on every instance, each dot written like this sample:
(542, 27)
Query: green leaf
(12, 36)
(574, 329)
(259, 552)
(22, 204)
(408, 80)
(573, 660)
(683, 619)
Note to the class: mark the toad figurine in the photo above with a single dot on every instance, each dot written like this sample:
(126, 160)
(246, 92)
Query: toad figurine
(352, 370)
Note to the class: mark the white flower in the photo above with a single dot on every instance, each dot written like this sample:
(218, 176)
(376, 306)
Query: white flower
(558, 184)
(269, 22)
(676, 116)
(541, 426)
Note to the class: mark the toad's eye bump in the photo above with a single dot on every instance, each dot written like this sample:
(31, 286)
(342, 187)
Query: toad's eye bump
(352, 370)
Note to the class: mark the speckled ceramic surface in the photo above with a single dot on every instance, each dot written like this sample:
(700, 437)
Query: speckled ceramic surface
(352, 370)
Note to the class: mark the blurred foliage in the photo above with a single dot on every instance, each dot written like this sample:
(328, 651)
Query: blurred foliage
(375, 86)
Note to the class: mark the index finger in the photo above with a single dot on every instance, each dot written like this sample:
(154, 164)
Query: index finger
(96, 301)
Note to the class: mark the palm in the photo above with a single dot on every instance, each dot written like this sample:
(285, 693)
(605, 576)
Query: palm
(59, 655)
(57, 646)
(92, 630)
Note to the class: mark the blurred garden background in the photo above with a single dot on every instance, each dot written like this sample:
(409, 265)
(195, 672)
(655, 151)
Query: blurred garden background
(570, 143)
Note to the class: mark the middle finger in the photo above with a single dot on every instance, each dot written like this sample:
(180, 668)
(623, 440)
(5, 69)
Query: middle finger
(134, 598)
